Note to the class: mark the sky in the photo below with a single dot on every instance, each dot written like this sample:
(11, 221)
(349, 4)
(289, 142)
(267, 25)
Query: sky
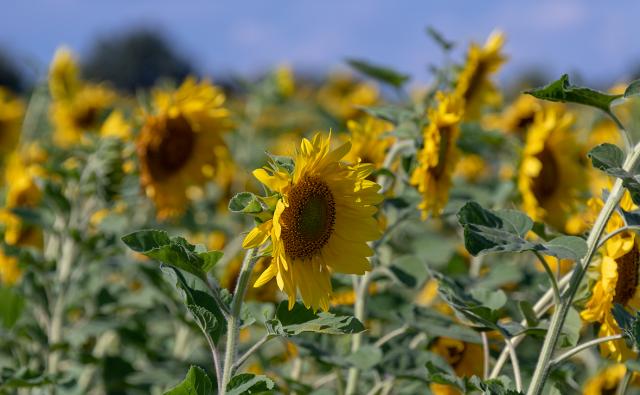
(596, 40)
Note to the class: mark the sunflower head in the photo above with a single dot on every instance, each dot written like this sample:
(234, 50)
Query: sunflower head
(64, 75)
(517, 117)
(368, 142)
(551, 176)
(474, 84)
(606, 381)
(11, 114)
(181, 146)
(342, 95)
(465, 359)
(438, 157)
(322, 221)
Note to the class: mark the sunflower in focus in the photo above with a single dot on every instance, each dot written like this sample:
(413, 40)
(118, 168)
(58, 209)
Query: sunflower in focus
(341, 96)
(368, 142)
(77, 106)
(465, 358)
(11, 114)
(322, 221)
(616, 280)
(607, 380)
(438, 157)
(180, 145)
(551, 176)
(474, 84)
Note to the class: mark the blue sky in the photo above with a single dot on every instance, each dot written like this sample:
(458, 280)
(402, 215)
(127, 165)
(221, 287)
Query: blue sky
(595, 39)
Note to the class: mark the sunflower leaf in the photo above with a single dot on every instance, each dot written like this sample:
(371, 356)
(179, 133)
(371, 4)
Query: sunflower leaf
(633, 89)
(245, 203)
(300, 319)
(380, 73)
(195, 383)
(566, 247)
(562, 91)
(629, 324)
(609, 159)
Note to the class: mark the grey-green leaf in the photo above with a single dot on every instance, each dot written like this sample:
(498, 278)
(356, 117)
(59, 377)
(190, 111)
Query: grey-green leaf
(196, 383)
(380, 73)
(562, 91)
(633, 89)
(300, 319)
(366, 357)
(245, 203)
(247, 383)
(566, 247)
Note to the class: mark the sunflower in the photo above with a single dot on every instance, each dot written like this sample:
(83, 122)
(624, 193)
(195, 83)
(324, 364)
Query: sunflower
(11, 114)
(77, 106)
(321, 223)
(607, 380)
(551, 176)
(517, 117)
(439, 155)
(474, 85)
(368, 142)
(116, 126)
(465, 359)
(616, 281)
(180, 144)
(471, 167)
(342, 94)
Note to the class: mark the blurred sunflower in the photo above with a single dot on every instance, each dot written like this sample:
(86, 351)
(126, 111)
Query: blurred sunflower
(11, 114)
(368, 143)
(551, 176)
(607, 380)
(116, 126)
(342, 94)
(322, 222)
(616, 281)
(439, 155)
(180, 145)
(471, 167)
(474, 84)
(465, 359)
(77, 106)
(516, 118)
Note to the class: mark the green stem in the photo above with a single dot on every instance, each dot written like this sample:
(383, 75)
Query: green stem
(233, 324)
(624, 384)
(563, 357)
(356, 339)
(557, 320)
(552, 277)
(628, 143)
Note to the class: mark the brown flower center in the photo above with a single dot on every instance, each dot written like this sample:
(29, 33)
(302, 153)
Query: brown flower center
(307, 224)
(173, 150)
(546, 183)
(524, 122)
(476, 81)
(87, 119)
(627, 276)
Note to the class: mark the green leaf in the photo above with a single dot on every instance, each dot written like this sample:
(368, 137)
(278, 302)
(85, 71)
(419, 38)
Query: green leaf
(196, 383)
(380, 73)
(24, 378)
(445, 44)
(527, 312)
(492, 299)
(633, 89)
(203, 307)
(11, 306)
(562, 91)
(366, 357)
(609, 158)
(571, 330)
(566, 247)
(629, 324)
(245, 203)
(174, 251)
(247, 383)
(300, 319)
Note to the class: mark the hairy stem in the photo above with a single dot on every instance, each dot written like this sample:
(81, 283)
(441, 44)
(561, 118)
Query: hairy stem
(356, 339)
(562, 357)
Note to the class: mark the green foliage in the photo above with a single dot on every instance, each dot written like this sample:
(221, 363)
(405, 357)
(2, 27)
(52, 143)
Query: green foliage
(300, 319)
(380, 73)
(505, 231)
(246, 383)
(11, 306)
(562, 91)
(609, 159)
(629, 324)
(195, 383)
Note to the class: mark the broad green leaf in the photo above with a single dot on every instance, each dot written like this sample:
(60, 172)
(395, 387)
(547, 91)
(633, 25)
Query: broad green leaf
(11, 306)
(609, 158)
(196, 383)
(380, 73)
(633, 89)
(300, 319)
(562, 91)
(247, 383)
(492, 299)
(366, 357)
(527, 312)
(245, 203)
(206, 312)
(209, 259)
(566, 247)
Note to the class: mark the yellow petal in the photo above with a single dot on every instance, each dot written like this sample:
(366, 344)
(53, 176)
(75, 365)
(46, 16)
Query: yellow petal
(258, 235)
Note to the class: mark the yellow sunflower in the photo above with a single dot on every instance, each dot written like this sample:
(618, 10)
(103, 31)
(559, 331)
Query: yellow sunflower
(116, 126)
(471, 167)
(342, 94)
(607, 380)
(180, 145)
(368, 143)
(474, 84)
(321, 224)
(439, 155)
(11, 114)
(616, 281)
(551, 176)
(516, 118)
(465, 359)
(77, 106)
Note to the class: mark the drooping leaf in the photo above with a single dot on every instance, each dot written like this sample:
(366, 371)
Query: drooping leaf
(562, 91)
(247, 383)
(609, 158)
(629, 324)
(196, 383)
(300, 319)
(380, 73)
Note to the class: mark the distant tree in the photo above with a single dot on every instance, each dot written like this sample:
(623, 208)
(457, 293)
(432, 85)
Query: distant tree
(137, 59)
(10, 75)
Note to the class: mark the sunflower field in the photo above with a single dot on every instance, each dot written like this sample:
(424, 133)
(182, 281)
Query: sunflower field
(344, 235)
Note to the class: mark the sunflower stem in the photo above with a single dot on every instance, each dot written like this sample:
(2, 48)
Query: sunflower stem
(233, 323)
(552, 277)
(356, 339)
(559, 315)
(624, 384)
(562, 357)
(628, 143)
